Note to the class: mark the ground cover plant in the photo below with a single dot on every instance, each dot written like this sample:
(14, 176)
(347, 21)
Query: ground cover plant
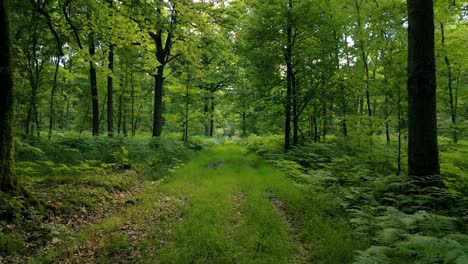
(400, 221)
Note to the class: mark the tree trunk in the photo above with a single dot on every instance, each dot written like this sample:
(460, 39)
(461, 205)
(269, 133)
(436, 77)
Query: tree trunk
(212, 115)
(158, 104)
(325, 121)
(132, 99)
(316, 129)
(187, 101)
(34, 73)
(343, 110)
(9, 182)
(206, 112)
(452, 103)
(399, 130)
(163, 52)
(110, 94)
(124, 124)
(93, 82)
(387, 115)
(423, 152)
(244, 113)
(289, 77)
(295, 113)
(363, 58)
(52, 98)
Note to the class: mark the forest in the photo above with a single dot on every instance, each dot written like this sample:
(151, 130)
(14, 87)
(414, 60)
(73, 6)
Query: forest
(234, 131)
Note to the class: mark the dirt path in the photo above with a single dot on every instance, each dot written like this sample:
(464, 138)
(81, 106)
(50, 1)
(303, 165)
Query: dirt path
(224, 206)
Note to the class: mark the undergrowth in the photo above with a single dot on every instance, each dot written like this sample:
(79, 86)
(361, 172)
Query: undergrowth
(402, 222)
(80, 179)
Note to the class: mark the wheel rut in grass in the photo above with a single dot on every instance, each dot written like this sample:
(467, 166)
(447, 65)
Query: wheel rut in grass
(225, 205)
(302, 250)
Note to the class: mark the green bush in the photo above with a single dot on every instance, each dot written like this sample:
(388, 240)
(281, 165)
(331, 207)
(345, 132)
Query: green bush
(403, 222)
(11, 244)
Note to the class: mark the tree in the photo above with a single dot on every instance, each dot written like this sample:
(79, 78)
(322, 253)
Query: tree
(66, 9)
(8, 178)
(423, 153)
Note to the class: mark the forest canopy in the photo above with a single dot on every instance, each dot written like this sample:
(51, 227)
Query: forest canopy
(224, 67)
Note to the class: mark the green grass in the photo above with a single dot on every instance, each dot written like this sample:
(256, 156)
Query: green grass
(221, 207)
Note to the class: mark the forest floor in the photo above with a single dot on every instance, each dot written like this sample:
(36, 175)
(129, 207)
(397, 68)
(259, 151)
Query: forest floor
(225, 205)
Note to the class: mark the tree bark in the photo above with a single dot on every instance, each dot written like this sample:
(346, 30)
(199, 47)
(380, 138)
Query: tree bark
(343, 109)
(9, 181)
(187, 102)
(400, 110)
(163, 52)
(132, 99)
(158, 104)
(423, 152)
(34, 69)
(93, 83)
(110, 94)
(316, 129)
(364, 58)
(52, 98)
(244, 112)
(289, 77)
(212, 115)
(295, 112)
(325, 120)
(452, 101)
(206, 112)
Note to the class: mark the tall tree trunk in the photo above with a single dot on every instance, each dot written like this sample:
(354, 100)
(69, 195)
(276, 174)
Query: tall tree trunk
(343, 110)
(9, 182)
(124, 123)
(34, 68)
(363, 57)
(423, 152)
(110, 94)
(93, 83)
(187, 101)
(452, 102)
(158, 102)
(289, 77)
(36, 121)
(66, 97)
(387, 116)
(132, 99)
(162, 54)
(206, 113)
(325, 121)
(244, 112)
(295, 113)
(399, 130)
(316, 129)
(121, 119)
(212, 115)
(52, 98)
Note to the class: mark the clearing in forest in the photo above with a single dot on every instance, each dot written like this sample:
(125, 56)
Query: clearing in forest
(226, 205)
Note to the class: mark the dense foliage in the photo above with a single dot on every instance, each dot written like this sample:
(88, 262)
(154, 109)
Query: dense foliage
(111, 97)
(402, 222)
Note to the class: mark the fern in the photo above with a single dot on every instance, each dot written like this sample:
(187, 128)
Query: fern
(374, 255)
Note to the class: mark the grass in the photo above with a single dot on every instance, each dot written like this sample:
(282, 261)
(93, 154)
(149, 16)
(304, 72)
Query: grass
(224, 206)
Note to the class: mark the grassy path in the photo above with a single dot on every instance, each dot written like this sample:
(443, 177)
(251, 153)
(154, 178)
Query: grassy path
(224, 206)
